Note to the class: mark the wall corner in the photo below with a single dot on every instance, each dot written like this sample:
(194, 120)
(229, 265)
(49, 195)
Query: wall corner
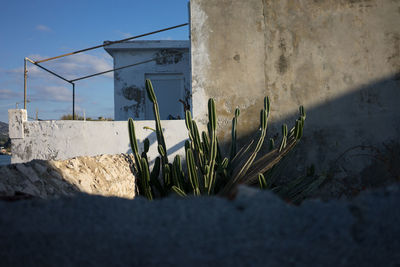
(16, 119)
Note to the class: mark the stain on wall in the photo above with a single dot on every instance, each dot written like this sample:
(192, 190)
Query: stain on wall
(134, 110)
(133, 93)
(393, 58)
(168, 56)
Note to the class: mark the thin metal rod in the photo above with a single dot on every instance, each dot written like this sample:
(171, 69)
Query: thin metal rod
(52, 72)
(73, 101)
(110, 43)
(123, 67)
(25, 78)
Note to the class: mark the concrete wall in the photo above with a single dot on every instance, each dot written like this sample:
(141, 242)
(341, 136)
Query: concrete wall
(339, 58)
(130, 98)
(60, 140)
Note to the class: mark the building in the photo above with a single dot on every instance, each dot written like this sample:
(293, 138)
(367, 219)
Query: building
(166, 63)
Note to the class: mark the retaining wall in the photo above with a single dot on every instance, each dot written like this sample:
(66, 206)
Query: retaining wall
(60, 140)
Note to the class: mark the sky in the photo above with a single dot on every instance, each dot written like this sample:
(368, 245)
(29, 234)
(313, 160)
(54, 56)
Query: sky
(40, 29)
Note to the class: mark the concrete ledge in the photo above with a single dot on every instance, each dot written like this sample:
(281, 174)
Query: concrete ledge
(146, 45)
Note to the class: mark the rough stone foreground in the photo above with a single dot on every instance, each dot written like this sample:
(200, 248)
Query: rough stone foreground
(106, 175)
(255, 229)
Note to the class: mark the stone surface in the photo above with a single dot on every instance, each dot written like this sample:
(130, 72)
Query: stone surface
(255, 229)
(106, 175)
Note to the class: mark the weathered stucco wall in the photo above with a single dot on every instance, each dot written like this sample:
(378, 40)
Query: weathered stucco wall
(130, 98)
(339, 58)
(60, 140)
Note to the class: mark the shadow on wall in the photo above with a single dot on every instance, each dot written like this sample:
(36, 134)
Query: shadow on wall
(343, 137)
(153, 145)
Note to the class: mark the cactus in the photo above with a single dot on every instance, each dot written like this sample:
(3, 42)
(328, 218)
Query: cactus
(212, 117)
(194, 137)
(234, 134)
(134, 145)
(284, 137)
(193, 177)
(146, 147)
(159, 131)
(241, 170)
(155, 173)
(271, 144)
(208, 172)
(145, 180)
(267, 162)
(263, 181)
(179, 191)
(177, 173)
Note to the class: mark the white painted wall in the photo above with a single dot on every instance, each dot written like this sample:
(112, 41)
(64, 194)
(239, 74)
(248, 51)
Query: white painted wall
(130, 98)
(67, 139)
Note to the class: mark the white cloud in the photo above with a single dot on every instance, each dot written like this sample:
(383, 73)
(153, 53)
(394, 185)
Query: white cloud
(123, 34)
(70, 67)
(51, 93)
(9, 94)
(43, 28)
(68, 110)
(83, 64)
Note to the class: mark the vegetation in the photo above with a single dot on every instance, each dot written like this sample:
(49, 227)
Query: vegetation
(208, 172)
(4, 139)
(80, 118)
(5, 142)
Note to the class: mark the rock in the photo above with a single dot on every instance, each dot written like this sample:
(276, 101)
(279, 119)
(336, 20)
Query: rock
(107, 175)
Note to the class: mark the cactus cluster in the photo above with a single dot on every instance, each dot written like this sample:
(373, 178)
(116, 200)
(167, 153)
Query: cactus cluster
(207, 171)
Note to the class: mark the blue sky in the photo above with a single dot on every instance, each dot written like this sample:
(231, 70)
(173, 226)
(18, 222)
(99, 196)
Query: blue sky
(41, 29)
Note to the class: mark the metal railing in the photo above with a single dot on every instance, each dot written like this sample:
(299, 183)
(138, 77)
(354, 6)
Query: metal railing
(72, 81)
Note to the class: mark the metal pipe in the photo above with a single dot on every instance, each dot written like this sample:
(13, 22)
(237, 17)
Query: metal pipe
(55, 74)
(110, 43)
(30, 60)
(25, 78)
(73, 101)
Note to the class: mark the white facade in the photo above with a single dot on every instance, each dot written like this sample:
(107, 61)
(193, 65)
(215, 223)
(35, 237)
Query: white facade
(169, 71)
(60, 140)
